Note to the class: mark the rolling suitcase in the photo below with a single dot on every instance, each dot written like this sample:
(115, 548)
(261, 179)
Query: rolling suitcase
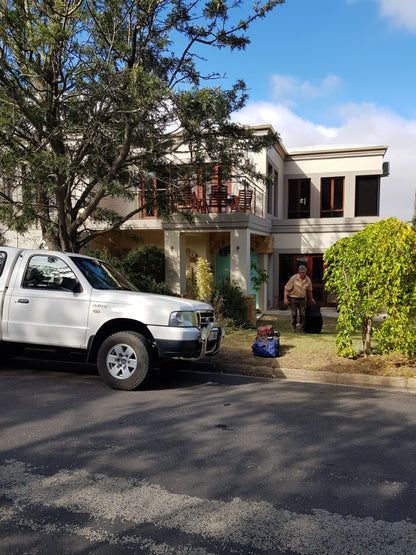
(313, 319)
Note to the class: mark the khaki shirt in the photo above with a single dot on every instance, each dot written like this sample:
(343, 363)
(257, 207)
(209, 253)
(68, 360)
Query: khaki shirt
(298, 288)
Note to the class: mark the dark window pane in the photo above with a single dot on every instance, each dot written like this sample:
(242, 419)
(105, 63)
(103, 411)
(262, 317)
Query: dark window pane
(270, 173)
(367, 195)
(317, 270)
(305, 191)
(332, 197)
(326, 194)
(299, 198)
(338, 193)
(293, 195)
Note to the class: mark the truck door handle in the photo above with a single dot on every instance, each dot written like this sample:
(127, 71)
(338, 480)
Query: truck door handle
(23, 301)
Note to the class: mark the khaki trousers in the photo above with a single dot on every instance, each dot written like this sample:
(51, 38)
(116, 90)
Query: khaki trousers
(298, 305)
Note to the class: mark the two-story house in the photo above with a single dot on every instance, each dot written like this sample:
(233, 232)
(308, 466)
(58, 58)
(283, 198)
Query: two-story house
(317, 196)
(313, 198)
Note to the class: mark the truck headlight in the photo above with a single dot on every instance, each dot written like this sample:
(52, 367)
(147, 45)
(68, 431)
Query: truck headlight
(183, 319)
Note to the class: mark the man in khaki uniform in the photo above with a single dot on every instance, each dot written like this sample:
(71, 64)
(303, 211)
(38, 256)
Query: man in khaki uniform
(297, 290)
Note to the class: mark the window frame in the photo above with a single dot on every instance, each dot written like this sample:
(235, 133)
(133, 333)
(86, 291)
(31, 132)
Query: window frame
(357, 200)
(333, 212)
(42, 281)
(299, 213)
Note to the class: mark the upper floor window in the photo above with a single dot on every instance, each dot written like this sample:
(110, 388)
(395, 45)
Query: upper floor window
(270, 184)
(272, 193)
(299, 204)
(367, 195)
(332, 197)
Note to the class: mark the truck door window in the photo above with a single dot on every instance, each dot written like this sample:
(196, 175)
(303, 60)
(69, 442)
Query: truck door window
(48, 272)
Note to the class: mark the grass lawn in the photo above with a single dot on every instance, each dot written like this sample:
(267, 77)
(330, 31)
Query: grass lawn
(308, 352)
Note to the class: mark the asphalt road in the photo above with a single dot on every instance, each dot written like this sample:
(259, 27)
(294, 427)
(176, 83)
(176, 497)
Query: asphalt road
(202, 464)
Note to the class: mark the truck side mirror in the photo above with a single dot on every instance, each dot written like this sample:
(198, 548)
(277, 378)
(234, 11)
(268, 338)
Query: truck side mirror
(77, 287)
(70, 284)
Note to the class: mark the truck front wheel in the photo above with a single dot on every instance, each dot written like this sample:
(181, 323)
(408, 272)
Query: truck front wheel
(125, 360)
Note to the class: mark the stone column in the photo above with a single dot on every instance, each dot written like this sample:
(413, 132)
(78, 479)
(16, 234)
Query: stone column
(240, 259)
(175, 261)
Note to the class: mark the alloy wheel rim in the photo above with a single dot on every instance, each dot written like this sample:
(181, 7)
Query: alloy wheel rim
(121, 361)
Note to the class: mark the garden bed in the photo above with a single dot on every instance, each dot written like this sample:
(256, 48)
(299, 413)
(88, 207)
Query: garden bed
(307, 352)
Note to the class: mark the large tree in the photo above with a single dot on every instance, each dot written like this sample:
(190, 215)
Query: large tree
(373, 272)
(97, 95)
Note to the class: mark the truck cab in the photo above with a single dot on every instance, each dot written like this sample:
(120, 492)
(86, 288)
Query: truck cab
(64, 300)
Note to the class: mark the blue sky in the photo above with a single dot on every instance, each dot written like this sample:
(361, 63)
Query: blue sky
(332, 72)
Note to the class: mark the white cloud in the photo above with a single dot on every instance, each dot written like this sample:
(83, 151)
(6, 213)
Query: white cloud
(288, 88)
(361, 124)
(401, 12)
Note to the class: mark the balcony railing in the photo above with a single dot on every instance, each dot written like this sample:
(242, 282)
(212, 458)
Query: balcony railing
(218, 200)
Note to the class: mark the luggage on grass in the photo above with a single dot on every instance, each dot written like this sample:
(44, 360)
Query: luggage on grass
(265, 331)
(267, 343)
(313, 319)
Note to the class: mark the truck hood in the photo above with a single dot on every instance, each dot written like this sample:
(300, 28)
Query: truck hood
(148, 308)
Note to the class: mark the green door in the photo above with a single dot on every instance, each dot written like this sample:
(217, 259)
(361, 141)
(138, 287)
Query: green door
(222, 267)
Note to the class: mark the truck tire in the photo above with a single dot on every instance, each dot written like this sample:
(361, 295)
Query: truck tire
(125, 360)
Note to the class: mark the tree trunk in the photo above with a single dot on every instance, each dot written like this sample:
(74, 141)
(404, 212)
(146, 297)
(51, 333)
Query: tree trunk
(367, 328)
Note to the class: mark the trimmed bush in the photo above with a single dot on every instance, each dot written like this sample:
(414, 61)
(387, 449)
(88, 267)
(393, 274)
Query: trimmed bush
(230, 304)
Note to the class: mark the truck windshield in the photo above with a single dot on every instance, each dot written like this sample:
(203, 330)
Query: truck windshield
(102, 275)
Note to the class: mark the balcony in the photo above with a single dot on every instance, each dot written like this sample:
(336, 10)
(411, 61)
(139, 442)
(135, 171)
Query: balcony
(213, 200)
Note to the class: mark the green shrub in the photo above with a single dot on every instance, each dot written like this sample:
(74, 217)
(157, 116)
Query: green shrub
(191, 288)
(204, 279)
(230, 304)
(371, 272)
(147, 285)
(259, 276)
(146, 260)
(144, 267)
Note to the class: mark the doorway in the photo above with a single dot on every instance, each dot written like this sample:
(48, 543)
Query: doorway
(289, 265)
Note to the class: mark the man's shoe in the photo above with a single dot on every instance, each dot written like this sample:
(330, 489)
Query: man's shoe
(302, 331)
(293, 328)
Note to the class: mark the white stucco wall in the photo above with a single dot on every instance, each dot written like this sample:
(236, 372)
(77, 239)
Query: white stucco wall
(315, 235)
(348, 163)
(369, 160)
(30, 240)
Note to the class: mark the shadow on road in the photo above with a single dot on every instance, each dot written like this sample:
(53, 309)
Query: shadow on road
(56, 363)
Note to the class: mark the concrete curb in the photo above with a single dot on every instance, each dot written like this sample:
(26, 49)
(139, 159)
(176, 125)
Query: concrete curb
(404, 384)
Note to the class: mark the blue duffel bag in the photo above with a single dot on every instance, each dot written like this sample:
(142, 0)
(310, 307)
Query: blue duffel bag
(266, 347)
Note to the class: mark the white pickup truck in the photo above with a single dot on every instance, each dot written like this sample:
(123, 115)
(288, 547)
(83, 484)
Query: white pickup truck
(76, 302)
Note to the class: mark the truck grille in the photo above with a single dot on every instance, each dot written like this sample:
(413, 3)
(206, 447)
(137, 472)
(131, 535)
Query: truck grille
(205, 318)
